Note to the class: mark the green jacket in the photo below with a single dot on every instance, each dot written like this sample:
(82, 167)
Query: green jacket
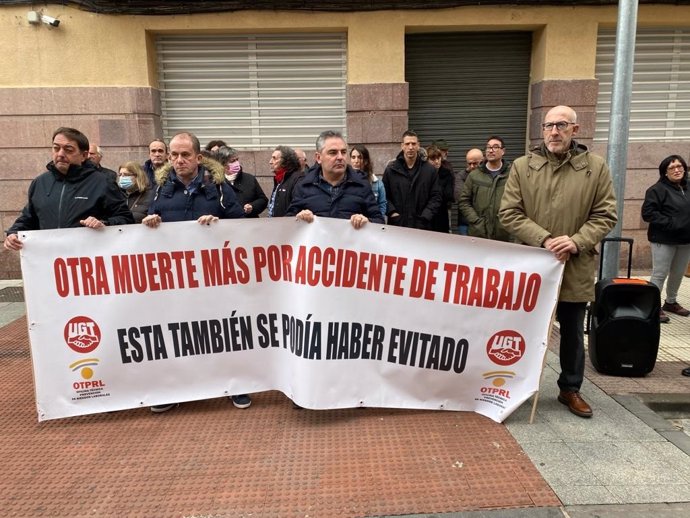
(480, 200)
(544, 198)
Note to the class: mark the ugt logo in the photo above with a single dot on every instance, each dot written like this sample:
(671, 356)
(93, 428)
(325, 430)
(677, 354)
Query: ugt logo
(82, 334)
(505, 347)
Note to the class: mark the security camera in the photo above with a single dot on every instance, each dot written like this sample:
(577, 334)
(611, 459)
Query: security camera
(49, 20)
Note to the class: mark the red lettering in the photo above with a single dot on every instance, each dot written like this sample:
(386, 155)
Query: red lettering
(493, 279)
(241, 261)
(151, 272)
(505, 300)
(399, 275)
(362, 271)
(61, 282)
(329, 259)
(190, 269)
(314, 260)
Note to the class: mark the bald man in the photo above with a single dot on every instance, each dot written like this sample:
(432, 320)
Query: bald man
(561, 197)
(473, 159)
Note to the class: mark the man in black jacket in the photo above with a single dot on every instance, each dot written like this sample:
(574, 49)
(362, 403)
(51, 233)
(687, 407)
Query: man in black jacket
(412, 189)
(332, 188)
(71, 193)
(158, 156)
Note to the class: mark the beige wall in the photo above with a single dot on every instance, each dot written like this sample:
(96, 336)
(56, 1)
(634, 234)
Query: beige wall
(98, 73)
(96, 50)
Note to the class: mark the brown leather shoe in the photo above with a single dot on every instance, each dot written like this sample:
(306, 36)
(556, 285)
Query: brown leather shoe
(663, 317)
(675, 308)
(573, 400)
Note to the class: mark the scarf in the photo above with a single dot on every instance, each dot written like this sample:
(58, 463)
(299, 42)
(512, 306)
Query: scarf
(280, 175)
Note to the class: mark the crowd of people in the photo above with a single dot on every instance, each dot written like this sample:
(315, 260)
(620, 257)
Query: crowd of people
(559, 197)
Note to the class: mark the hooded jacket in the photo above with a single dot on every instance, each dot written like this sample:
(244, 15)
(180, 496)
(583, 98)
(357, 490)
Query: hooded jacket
(480, 200)
(414, 194)
(59, 200)
(208, 194)
(547, 197)
(354, 196)
(666, 208)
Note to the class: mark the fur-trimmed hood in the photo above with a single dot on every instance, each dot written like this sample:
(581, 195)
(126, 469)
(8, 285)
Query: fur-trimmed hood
(212, 168)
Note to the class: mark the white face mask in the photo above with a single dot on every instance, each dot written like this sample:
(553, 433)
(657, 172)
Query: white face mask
(234, 167)
(125, 182)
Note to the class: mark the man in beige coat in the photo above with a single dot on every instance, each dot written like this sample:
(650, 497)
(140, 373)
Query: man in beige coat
(560, 197)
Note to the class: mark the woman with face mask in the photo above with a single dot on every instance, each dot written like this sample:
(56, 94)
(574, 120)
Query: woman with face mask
(135, 184)
(249, 193)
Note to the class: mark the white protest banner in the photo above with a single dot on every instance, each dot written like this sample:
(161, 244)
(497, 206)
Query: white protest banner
(333, 317)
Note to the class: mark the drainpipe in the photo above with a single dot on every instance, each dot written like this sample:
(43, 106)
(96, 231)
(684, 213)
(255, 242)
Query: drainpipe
(617, 153)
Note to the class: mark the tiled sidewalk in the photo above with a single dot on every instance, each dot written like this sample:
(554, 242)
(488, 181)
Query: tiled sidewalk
(208, 458)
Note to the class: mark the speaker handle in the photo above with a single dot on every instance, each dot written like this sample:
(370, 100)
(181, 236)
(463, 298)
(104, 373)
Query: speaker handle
(628, 240)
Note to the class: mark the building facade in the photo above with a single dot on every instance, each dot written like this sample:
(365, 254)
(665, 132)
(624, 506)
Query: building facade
(260, 78)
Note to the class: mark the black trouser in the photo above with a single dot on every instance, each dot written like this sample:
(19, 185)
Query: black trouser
(571, 316)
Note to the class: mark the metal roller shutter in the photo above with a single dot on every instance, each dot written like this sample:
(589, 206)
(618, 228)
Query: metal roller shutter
(253, 91)
(465, 87)
(660, 100)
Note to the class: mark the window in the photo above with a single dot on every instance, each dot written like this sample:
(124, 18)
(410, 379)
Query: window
(660, 101)
(253, 91)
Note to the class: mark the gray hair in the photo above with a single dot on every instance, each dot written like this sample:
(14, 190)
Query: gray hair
(325, 135)
(225, 153)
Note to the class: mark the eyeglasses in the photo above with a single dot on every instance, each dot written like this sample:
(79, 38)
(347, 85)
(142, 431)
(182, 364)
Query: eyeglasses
(560, 125)
(493, 148)
(675, 167)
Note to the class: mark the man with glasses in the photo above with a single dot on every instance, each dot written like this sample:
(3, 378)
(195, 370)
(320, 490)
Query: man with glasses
(190, 187)
(560, 197)
(481, 195)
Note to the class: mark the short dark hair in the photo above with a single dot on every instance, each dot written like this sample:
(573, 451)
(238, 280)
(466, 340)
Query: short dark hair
(214, 143)
(161, 141)
(410, 133)
(74, 134)
(496, 137)
(288, 158)
(663, 166)
(325, 135)
(191, 136)
(434, 152)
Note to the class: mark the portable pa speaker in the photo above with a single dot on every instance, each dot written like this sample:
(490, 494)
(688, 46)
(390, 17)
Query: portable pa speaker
(624, 330)
(623, 322)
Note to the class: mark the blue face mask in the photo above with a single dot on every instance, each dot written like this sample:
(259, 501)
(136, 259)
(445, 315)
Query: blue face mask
(125, 182)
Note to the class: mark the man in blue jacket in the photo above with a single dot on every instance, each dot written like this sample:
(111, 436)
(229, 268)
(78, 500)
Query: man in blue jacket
(71, 193)
(191, 187)
(332, 188)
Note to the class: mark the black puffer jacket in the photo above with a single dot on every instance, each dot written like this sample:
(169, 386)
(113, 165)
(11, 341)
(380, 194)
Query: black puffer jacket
(666, 208)
(59, 200)
(414, 194)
